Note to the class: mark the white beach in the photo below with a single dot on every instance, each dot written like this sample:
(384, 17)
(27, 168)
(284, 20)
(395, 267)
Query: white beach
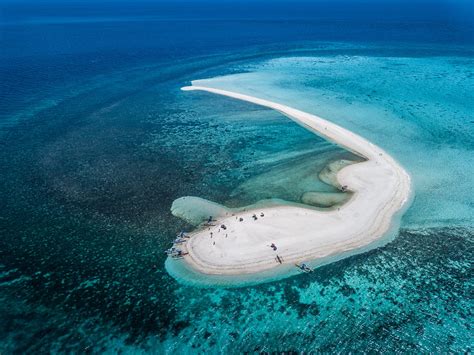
(380, 186)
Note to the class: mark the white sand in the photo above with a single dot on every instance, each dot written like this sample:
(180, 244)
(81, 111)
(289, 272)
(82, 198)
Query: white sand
(381, 188)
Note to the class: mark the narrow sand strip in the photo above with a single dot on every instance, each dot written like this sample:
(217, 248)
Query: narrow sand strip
(381, 188)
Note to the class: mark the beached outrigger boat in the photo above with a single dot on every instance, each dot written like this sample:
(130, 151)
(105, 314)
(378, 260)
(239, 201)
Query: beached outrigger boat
(182, 234)
(303, 267)
(175, 253)
(180, 241)
(178, 255)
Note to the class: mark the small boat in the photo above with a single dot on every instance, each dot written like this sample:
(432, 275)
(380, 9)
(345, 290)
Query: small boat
(178, 255)
(303, 267)
(179, 241)
(175, 253)
(208, 225)
(182, 235)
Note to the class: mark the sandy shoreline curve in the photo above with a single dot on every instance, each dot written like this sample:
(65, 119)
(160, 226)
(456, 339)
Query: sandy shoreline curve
(380, 187)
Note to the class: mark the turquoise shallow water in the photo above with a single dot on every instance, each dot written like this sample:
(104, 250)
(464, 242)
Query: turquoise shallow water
(418, 109)
(89, 175)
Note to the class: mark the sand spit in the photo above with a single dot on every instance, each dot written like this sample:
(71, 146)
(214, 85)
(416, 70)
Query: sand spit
(380, 188)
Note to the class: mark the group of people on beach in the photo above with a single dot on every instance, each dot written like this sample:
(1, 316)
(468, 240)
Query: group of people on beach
(224, 227)
(182, 237)
(254, 216)
(278, 258)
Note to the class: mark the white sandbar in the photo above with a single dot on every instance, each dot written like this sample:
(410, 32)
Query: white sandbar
(380, 185)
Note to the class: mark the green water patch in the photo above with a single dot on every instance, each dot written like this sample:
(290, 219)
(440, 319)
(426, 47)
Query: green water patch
(296, 181)
(292, 178)
(329, 176)
(329, 173)
(324, 199)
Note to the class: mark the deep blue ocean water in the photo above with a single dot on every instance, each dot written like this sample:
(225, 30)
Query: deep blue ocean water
(97, 141)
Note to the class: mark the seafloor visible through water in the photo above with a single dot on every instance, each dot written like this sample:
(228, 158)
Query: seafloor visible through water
(90, 167)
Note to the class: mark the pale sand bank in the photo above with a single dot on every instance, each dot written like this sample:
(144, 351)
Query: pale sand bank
(380, 186)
